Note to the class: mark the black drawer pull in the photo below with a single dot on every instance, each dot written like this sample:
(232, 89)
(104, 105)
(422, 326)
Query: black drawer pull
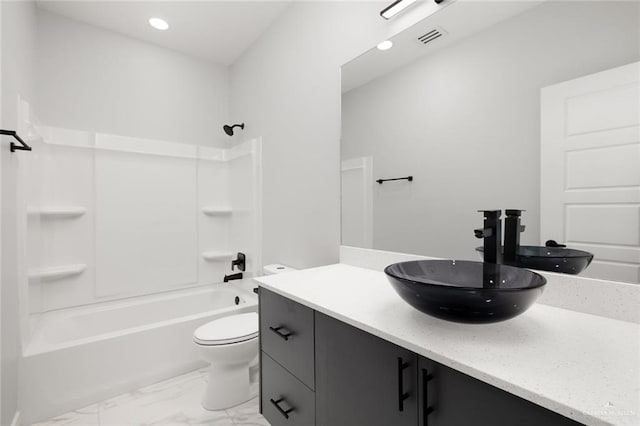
(276, 404)
(284, 335)
(402, 396)
(426, 377)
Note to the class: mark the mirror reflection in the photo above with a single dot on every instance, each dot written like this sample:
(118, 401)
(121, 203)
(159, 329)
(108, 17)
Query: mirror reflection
(530, 106)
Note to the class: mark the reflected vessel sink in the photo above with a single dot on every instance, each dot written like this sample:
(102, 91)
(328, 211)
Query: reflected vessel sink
(552, 259)
(465, 291)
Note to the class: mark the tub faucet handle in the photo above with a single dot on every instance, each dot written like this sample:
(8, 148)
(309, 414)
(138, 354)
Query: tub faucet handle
(240, 262)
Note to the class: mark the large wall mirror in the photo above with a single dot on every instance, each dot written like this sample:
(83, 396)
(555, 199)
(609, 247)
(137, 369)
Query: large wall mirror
(499, 105)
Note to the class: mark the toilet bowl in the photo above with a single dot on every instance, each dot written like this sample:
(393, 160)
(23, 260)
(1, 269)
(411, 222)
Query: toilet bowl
(230, 344)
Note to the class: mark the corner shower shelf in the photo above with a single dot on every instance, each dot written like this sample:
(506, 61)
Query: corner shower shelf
(59, 212)
(217, 256)
(216, 211)
(57, 272)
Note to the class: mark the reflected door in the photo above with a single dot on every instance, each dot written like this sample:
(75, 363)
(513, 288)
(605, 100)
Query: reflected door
(590, 169)
(357, 202)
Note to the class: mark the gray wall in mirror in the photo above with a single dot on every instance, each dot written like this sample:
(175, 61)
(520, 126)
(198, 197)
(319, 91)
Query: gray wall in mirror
(464, 120)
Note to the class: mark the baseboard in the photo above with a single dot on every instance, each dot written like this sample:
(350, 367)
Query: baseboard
(16, 419)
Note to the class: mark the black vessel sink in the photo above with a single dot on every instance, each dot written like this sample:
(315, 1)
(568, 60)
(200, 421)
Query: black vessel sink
(465, 291)
(553, 259)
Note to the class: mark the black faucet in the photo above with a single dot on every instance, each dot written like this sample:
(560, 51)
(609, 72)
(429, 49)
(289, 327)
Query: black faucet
(240, 262)
(492, 234)
(512, 230)
(231, 277)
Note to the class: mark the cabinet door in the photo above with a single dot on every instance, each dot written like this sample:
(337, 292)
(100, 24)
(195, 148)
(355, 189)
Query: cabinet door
(450, 398)
(285, 400)
(362, 380)
(286, 333)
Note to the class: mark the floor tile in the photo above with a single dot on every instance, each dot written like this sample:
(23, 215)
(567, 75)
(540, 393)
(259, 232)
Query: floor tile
(172, 402)
(247, 414)
(87, 416)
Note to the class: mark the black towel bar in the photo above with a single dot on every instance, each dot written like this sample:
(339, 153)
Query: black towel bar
(23, 145)
(409, 178)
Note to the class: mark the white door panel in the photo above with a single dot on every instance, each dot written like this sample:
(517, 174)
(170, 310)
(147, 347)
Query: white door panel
(590, 169)
(608, 167)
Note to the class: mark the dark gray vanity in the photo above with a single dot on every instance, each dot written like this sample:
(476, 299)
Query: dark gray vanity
(317, 370)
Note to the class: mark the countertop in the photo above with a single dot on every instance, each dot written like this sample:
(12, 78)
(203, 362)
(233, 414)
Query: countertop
(582, 366)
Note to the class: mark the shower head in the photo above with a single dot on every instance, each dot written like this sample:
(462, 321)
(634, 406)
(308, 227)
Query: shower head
(229, 129)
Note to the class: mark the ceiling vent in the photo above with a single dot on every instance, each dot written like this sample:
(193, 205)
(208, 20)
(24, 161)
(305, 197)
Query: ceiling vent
(432, 35)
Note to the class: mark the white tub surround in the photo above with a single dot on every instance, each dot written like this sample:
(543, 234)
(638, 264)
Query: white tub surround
(200, 208)
(582, 366)
(79, 356)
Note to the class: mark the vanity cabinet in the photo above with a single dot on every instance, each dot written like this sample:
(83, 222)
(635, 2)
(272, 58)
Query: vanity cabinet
(362, 379)
(285, 399)
(287, 335)
(324, 372)
(449, 398)
(287, 361)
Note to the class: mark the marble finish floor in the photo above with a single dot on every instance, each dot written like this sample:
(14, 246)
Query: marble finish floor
(173, 402)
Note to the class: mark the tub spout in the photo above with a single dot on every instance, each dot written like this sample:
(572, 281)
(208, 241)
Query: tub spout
(231, 277)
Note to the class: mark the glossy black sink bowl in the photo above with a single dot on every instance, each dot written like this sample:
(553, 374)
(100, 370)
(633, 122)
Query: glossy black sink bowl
(552, 259)
(465, 291)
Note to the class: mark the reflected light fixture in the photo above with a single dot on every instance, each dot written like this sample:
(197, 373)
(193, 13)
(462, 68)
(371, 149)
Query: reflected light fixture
(159, 24)
(385, 45)
(396, 7)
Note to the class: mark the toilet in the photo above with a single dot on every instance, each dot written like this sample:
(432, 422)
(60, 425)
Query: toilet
(230, 344)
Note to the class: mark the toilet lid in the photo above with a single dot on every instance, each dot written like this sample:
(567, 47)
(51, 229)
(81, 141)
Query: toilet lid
(226, 330)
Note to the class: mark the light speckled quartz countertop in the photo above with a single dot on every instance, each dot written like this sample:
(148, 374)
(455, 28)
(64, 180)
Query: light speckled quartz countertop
(582, 366)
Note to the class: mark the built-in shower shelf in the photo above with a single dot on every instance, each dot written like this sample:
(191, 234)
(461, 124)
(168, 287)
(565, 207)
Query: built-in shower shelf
(217, 256)
(59, 212)
(57, 272)
(216, 211)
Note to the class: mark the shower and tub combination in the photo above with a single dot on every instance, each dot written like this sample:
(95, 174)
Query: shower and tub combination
(127, 243)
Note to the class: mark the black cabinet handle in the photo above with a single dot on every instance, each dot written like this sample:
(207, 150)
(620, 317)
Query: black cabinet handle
(402, 396)
(426, 409)
(276, 404)
(285, 335)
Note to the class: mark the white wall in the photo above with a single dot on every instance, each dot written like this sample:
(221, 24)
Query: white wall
(18, 29)
(1, 204)
(286, 87)
(465, 122)
(92, 79)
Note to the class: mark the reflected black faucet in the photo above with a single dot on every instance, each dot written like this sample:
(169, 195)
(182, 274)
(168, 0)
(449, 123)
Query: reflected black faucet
(512, 230)
(231, 277)
(492, 234)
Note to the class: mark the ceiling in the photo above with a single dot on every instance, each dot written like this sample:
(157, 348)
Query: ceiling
(455, 20)
(217, 31)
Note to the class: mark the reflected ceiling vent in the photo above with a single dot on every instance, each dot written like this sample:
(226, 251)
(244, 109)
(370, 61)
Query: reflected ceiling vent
(432, 35)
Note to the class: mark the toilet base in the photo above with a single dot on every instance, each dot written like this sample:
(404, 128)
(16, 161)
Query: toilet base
(228, 385)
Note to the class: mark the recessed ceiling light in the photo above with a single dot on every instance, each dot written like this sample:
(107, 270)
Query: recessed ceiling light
(159, 24)
(385, 45)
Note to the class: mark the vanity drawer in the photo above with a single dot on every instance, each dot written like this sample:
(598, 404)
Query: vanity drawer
(286, 334)
(285, 400)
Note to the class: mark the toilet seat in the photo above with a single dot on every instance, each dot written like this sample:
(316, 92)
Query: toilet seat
(227, 330)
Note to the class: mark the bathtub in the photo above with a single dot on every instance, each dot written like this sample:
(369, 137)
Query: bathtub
(78, 356)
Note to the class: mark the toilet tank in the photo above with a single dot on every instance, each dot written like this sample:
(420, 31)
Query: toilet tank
(276, 268)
